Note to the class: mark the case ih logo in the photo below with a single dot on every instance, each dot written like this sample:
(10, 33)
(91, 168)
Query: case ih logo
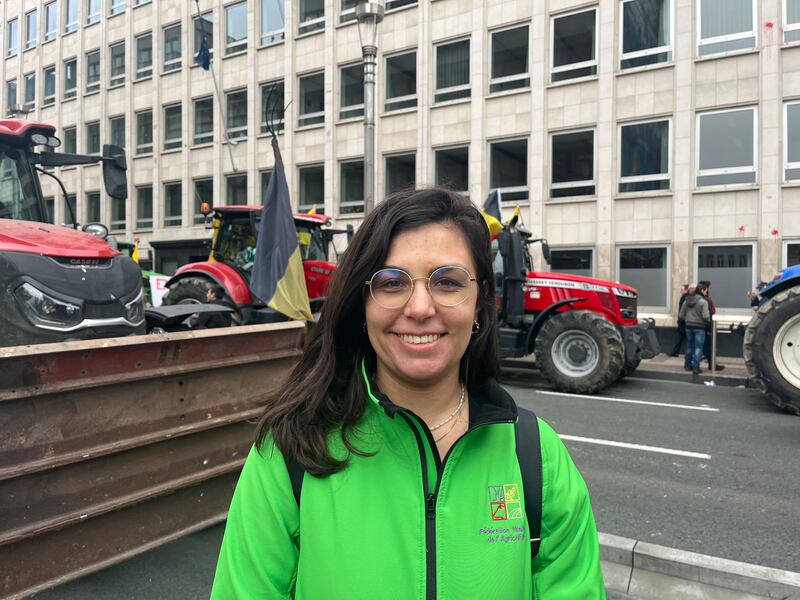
(85, 262)
(504, 501)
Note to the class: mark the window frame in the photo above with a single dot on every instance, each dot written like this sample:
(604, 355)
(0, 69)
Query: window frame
(147, 148)
(88, 198)
(645, 178)
(315, 115)
(263, 87)
(70, 130)
(209, 134)
(313, 165)
(51, 99)
(119, 79)
(275, 36)
(754, 275)
(111, 121)
(444, 148)
(572, 184)
(578, 248)
(399, 99)
(239, 131)
(207, 17)
(785, 256)
(228, 178)
(144, 73)
(173, 220)
(731, 170)
(354, 203)
(69, 93)
(87, 125)
(453, 89)
(387, 158)
(669, 48)
(117, 7)
(509, 78)
(725, 38)
(345, 110)
(94, 86)
(71, 26)
(173, 64)
(786, 164)
(29, 104)
(346, 15)
(239, 46)
(788, 27)
(12, 50)
(30, 42)
(579, 65)
(172, 143)
(667, 274)
(198, 218)
(146, 224)
(310, 26)
(11, 106)
(514, 189)
(48, 35)
(92, 18)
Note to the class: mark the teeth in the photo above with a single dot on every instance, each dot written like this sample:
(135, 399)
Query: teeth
(420, 339)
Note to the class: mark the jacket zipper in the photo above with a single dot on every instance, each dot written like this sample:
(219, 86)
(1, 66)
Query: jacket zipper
(431, 497)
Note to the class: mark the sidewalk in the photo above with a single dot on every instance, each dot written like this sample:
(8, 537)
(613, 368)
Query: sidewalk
(671, 369)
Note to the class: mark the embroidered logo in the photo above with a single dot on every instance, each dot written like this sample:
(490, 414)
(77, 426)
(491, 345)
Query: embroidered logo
(504, 502)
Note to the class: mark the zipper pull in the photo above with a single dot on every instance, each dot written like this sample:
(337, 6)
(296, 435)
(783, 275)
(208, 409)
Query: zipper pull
(430, 506)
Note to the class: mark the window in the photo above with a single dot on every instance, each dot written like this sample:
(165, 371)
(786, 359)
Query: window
(574, 262)
(92, 11)
(203, 120)
(265, 176)
(726, 145)
(70, 78)
(509, 59)
(236, 189)
(203, 192)
(13, 37)
(312, 188)
(144, 132)
(117, 134)
(726, 26)
(508, 169)
(93, 207)
(792, 254)
(173, 129)
(70, 140)
(144, 207)
(49, 79)
(93, 138)
(30, 29)
(118, 214)
(70, 209)
(50, 203)
(574, 49)
(401, 81)
(646, 269)
(50, 21)
(204, 25)
(792, 151)
(236, 28)
(93, 71)
(572, 160)
(311, 16)
(646, 27)
(452, 71)
(30, 91)
(791, 21)
(144, 56)
(172, 48)
(70, 15)
(312, 100)
(452, 168)
(272, 105)
(11, 96)
(117, 64)
(352, 96)
(392, 4)
(347, 12)
(401, 172)
(351, 190)
(173, 211)
(729, 268)
(118, 7)
(272, 21)
(644, 156)
(237, 114)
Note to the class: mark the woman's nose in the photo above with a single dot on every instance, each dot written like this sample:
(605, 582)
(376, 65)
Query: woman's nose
(420, 304)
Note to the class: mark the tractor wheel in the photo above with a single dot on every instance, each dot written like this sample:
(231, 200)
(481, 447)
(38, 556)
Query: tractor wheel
(193, 290)
(629, 367)
(772, 349)
(579, 351)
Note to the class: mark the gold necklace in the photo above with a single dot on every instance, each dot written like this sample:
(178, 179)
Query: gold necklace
(454, 413)
(446, 433)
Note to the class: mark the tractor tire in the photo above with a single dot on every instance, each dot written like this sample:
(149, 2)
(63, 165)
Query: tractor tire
(193, 290)
(772, 349)
(579, 351)
(628, 368)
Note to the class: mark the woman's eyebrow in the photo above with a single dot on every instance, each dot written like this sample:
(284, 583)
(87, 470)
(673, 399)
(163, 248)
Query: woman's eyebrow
(405, 269)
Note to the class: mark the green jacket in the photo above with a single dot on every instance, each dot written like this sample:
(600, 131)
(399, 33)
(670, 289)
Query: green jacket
(365, 532)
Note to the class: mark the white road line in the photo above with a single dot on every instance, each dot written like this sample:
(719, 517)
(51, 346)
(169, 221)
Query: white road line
(575, 438)
(626, 401)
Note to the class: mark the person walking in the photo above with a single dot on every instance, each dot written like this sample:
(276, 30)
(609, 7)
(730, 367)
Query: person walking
(681, 331)
(695, 313)
(704, 287)
(212, 320)
(404, 441)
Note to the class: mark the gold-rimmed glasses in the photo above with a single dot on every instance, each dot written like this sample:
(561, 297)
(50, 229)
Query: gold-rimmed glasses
(448, 286)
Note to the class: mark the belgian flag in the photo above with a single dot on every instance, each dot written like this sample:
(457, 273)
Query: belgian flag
(492, 213)
(277, 276)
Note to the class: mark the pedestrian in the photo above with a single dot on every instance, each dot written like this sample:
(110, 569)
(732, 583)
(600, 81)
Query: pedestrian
(681, 331)
(406, 442)
(212, 320)
(696, 315)
(704, 287)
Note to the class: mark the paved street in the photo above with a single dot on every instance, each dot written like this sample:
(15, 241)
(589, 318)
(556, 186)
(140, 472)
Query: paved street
(709, 470)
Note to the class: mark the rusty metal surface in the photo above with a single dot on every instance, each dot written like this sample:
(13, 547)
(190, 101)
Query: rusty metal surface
(102, 433)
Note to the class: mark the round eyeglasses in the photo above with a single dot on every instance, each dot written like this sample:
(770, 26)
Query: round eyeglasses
(448, 286)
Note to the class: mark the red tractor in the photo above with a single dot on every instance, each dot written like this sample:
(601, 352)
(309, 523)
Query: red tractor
(231, 261)
(583, 332)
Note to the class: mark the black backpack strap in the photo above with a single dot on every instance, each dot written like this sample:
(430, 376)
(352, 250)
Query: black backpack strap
(529, 455)
(296, 474)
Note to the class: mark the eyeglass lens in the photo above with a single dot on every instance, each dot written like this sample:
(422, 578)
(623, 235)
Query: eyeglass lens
(392, 288)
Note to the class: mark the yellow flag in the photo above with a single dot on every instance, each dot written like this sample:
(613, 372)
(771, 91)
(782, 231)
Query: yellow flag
(313, 211)
(493, 224)
(135, 253)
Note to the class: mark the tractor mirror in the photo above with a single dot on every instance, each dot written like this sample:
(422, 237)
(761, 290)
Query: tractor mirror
(115, 172)
(546, 251)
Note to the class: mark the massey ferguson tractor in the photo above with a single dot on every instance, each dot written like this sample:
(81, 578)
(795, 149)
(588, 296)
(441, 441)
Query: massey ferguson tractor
(231, 261)
(59, 283)
(583, 332)
(772, 341)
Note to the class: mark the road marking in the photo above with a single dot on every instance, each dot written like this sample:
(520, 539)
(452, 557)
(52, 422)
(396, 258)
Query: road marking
(625, 401)
(575, 438)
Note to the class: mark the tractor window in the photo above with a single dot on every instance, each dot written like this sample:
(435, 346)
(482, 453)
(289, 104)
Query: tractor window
(236, 241)
(18, 195)
(312, 244)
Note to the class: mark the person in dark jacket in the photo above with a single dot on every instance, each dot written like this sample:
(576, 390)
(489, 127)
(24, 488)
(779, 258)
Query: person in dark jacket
(696, 314)
(212, 320)
(681, 337)
(704, 288)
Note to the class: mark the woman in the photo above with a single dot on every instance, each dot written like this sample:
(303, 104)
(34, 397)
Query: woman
(393, 414)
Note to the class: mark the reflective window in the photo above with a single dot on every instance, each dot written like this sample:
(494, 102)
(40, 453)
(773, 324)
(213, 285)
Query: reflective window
(203, 192)
(93, 138)
(401, 81)
(574, 262)
(93, 71)
(144, 132)
(236, 189)
(173, 211)
(92, 11)
(70, 15)
(401, 172)
(172, 48)
(118, 214)
(70, 140)
(30, 29)
(50, 21)
(574, 45)
(312, 99)
(646, 33)
(792, 254)
(351, 188)
(572, 164)
(791, 25)
(392, 4)
(726, 26)
(726, 147)
(644, 157)
(49, 77)
(93, 207)
(117, 127)
(265, 176)
(30, 91)
(509, 59)
(312, 188)
(272, 106)
(352, 96)
(144, 56)
(204, 120)
(117, 64)
(118, 6)
(70, 78)
(646, 270)
(311, 15)
(730, 271)
(347, 11)
(144, 207)
(452, 71)
(12, 37)
(11, 96)
(236, 28)
(173, 129)
(508, 169)
(792, 167)
(236, 114)
(272, 21)
(452, 168)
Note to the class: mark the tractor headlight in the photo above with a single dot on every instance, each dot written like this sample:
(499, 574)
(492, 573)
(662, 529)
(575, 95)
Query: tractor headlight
(623, 293)
(134, 310)
(45, 311)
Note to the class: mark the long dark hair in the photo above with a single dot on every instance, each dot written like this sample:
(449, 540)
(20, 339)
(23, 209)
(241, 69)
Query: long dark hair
(325, 391)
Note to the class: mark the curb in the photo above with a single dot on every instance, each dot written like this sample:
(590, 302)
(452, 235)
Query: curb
(650, 572)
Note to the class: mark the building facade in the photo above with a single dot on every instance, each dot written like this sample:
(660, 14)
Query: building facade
(654, 142)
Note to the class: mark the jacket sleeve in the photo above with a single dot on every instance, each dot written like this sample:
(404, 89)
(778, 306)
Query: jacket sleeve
(258, 558)
(568, 563)
(682, 312)
(707, 312)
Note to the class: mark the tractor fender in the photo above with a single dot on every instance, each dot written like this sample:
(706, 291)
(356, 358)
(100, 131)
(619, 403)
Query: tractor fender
(780, 285)
(543, 316)
(220, 273)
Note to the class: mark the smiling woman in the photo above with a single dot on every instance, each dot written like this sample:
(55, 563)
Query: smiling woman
(406, 441)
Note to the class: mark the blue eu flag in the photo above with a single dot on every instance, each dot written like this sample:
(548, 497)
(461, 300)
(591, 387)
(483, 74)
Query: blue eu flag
(203, 57)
